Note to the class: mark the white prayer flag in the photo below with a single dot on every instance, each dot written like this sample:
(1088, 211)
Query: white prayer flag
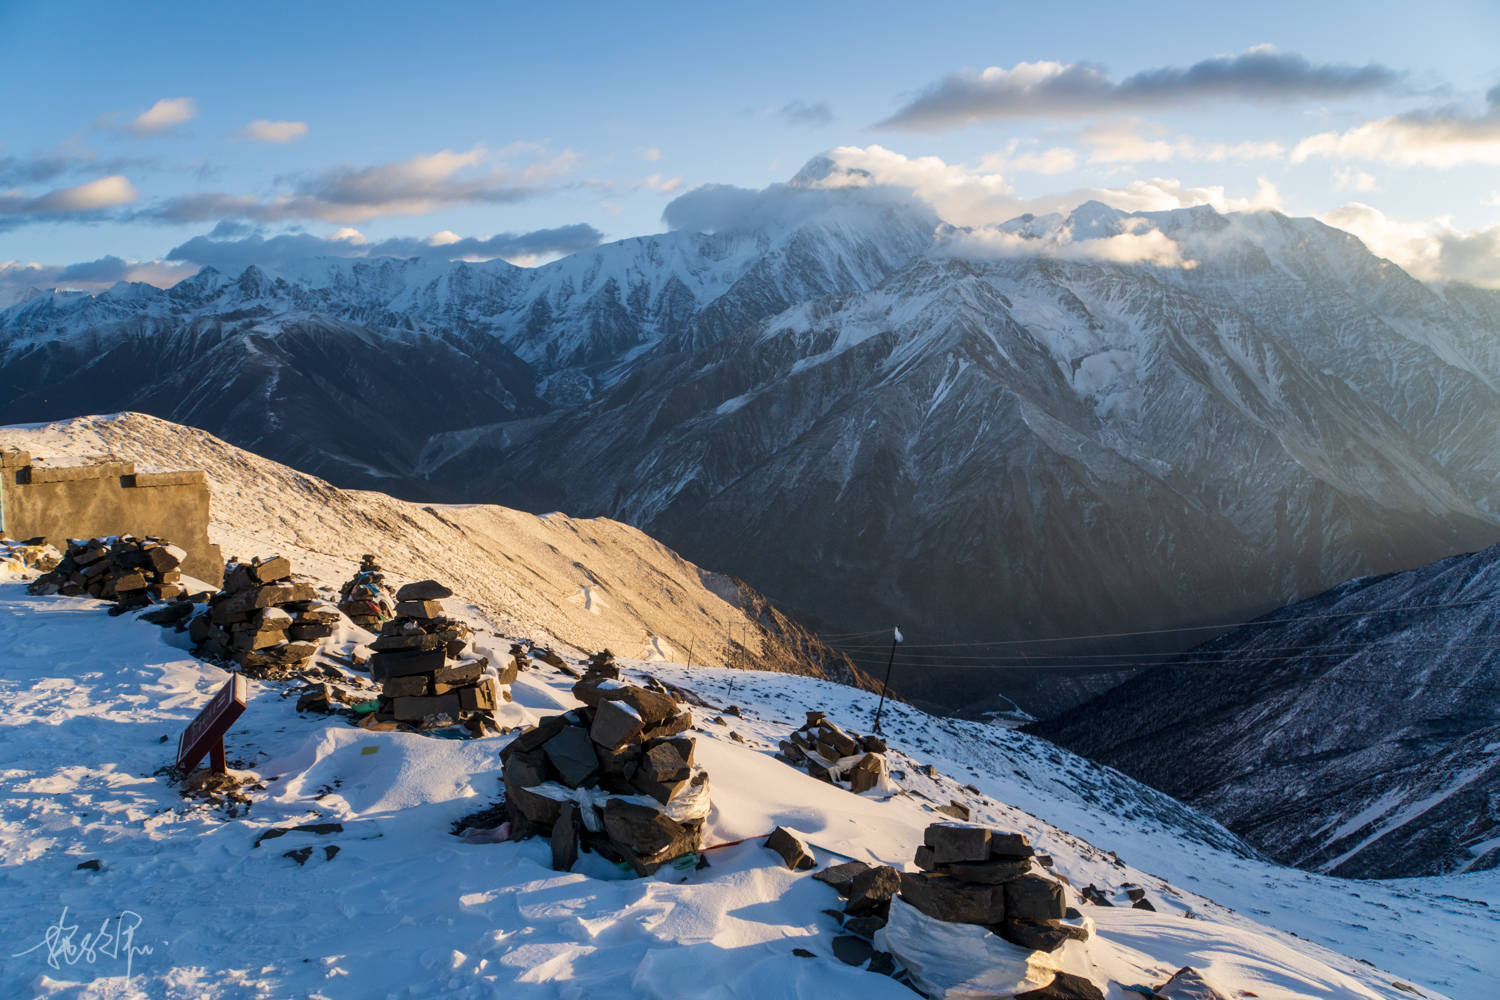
(899, 637)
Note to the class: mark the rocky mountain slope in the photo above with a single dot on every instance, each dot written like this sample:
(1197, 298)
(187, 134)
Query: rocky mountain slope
(1356, 733)
(584, 583)
(1013, 433)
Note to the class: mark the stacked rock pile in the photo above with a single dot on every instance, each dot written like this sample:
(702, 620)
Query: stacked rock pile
(265, 619)
(132, 572)
(430, 677)
(830, 754)
(615, 777)
(974, 875)
(364, 599)
(28, 555)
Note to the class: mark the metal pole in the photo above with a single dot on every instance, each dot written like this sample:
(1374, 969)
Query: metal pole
(886, 683)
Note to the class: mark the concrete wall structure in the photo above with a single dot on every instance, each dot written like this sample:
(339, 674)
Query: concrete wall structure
(109, 498)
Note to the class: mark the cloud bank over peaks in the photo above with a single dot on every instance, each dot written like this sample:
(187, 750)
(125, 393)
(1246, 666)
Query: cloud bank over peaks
(1044, 88)
(1441, 137)
(231, 249)
(1123, 240)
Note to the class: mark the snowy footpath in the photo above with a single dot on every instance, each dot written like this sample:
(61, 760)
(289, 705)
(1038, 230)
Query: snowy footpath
(188, 901)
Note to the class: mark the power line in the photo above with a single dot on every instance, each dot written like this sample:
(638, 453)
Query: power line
(1188, 628)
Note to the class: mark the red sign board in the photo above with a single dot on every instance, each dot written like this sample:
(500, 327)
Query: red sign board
(205, 734)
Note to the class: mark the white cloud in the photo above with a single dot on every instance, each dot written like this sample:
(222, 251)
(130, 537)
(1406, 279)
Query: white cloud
(262, 130)
(660, 184)
(348, 234)
(1133, 141)
(1056, 160)
(1433, 250)
(966, 196)
(1436, 137)
(19, 277)
(1352, 179)
(652, 154)
(1143, 246)
(83, 199)
(164, 115)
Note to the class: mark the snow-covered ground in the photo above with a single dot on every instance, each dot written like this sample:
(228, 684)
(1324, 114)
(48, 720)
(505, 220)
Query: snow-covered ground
(90, 707)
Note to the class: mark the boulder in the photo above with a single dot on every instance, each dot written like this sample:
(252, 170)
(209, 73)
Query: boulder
(952, 842)
(852, 950)
(648, 838)
(565, 837)
(571, 754)
(423, 590)
(841, 877)
(1064, 986)
(615, 724)
(866, 774)
(871, 890)
(1011, 846)
(653, 707)
(1034, 897)
(1040, 935)
(943, 898)
(988, 872)
(425, 610)
(1188, 984)
(791, 848)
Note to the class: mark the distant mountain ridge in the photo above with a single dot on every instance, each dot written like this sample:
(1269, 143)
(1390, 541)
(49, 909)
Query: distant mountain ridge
(1013, 432)
(1356, 733)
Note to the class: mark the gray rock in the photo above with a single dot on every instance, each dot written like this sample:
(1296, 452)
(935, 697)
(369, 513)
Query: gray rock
(841, 877)
(1034, 897)
(615, 724)
(571, 752)
(1064, 986)
(944, 898)
(423, 590)
(871, 891)
(793, 851)
(565, 837)
(852, 950)
(952, 842)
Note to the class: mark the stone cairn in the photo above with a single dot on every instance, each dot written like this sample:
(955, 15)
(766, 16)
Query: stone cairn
(430, 677)
(830, 754)
(132, 572)
(969, 875)
(364, 600)
(974, 875)
(265, 619)
(615, 777)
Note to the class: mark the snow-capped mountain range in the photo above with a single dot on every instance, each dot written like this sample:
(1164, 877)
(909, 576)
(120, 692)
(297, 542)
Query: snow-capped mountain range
(1062, 425)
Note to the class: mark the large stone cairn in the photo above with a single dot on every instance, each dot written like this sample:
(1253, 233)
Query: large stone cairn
(265, 619)
(974, 875)
(132, 572)
(830, 754)
(615, 776)
(364, 599)
(430, 676)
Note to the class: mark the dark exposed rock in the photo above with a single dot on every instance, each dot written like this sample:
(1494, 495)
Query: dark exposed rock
(871, 891)
(842, 876)
(952, 842)
(794, 853)
(852, 950)
(571, 754)
(565, 838)
(1188, 984)
(423, 590)
(1034, 897)
(944, 898)
(1064, 986)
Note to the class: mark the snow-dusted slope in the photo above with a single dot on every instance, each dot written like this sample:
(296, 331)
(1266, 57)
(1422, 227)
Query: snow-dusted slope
(1357, 732)
(587, 583)
(404, 909)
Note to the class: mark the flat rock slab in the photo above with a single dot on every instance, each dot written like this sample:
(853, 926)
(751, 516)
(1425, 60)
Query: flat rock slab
(423, 590)
(571, 752)
(955, 902)
(952, 842)
(1035, 897)
(841, 877)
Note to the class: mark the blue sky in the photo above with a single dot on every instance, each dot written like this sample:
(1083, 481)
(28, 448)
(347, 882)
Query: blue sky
(527, 131)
